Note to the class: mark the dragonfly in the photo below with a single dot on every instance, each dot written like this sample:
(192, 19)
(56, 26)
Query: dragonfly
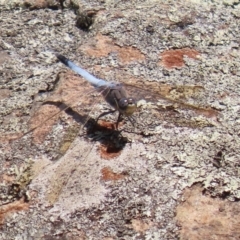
(114, 93)
(124, 98)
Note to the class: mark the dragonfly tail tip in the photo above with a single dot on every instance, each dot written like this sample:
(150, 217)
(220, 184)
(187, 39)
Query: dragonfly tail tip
(62, 59)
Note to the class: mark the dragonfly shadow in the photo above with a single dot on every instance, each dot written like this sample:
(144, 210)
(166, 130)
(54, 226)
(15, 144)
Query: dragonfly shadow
(111, 139)
(78, 118)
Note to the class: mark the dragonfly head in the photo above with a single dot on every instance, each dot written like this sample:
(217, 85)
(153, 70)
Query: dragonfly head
(127, 106)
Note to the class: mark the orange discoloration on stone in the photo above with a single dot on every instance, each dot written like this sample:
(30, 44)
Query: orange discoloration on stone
(5, 138)
(201, 216)
(174, 58)
(101, 46)
(16, 206)
(109, 175)
(140, 225)
(42, 114)
(130, 54)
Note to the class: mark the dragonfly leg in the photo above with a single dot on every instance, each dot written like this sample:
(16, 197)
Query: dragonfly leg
(105, 113)
(132, 120)
(119, 119)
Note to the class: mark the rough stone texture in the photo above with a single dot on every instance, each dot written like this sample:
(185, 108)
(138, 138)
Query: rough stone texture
(73, 179)
(209, 218)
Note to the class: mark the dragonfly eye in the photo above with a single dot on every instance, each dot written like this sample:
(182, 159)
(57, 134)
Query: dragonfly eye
(125, 102)
(131, 101)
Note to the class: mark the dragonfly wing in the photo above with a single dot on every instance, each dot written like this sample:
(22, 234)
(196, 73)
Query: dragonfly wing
(186, 97)
(70, 93)
(171, 104)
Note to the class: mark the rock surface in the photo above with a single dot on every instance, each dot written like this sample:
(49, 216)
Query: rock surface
(175, 175)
